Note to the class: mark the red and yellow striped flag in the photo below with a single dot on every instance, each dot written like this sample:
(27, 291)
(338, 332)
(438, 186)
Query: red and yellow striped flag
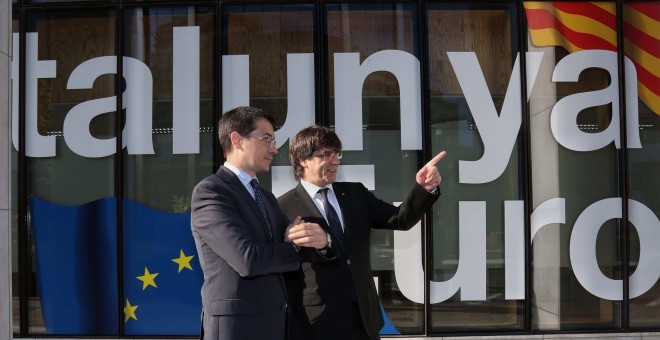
(578, 26)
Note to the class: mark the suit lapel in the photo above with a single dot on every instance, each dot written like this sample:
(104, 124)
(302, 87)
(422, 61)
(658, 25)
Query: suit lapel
(308, 208)
(238, 187)
(305, 202)
(345, 205)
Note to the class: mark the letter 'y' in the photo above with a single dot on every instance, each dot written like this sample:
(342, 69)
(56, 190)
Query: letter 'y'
(498, 132)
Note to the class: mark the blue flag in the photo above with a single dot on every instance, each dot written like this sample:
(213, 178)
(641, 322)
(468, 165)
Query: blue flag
(76, 266)
(162, 275)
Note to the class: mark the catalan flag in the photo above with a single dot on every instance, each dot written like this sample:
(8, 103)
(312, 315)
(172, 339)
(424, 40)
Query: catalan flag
(578, 26)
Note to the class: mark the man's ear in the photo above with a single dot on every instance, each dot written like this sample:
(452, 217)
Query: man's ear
(302, 162)
(235, 138)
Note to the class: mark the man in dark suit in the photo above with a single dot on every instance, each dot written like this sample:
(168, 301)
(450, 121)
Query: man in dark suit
(239, 233)
(337, 299)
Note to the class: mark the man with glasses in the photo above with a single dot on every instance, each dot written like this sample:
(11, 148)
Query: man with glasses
(243, 239)
(337, 299)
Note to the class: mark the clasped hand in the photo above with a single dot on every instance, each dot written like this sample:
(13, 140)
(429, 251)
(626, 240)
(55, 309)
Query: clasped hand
(306, 234)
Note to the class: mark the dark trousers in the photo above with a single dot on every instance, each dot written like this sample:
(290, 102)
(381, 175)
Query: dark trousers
(357, 331)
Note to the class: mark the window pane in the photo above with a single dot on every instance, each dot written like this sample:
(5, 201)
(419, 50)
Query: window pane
(644, 163)
(277, 45)
(472, 49)
(384, 33)
(574, 175)
(169, 73)
(70, 129)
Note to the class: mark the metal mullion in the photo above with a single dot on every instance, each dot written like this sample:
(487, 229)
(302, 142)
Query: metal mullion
(218, 155)
(622, 169)
(526, 161)
(217, 81)
(427, 146)
(321, 68)
(119, 164)
(23, 234)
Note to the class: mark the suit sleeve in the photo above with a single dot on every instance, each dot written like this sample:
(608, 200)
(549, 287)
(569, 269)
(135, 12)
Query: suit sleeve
(386, 216)
(220, 223)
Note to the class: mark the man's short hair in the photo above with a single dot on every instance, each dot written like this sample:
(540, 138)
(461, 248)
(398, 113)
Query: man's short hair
(243, 120)
(307, 141)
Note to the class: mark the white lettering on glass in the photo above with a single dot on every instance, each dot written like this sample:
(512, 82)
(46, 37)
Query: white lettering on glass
(349, 78)
(498, 131)
(583, 249)
(300, 90)
(76, 123)
(471, 272)
(563, 119)
(185, 91)
(470, 275)
(37, 145)
(136, 136)
(514, 250)
(235, 81)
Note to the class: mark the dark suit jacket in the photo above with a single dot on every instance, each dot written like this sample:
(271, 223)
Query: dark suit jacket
(243, 294)
(321, 293)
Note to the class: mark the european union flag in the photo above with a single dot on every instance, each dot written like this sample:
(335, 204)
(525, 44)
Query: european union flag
(77, 273)
(76, 265)
(162, 275)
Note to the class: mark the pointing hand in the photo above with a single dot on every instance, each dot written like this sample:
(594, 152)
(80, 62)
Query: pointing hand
(428, 176)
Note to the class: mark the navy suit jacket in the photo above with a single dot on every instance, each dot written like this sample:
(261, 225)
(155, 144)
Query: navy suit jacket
(243, 294)
(322, 293)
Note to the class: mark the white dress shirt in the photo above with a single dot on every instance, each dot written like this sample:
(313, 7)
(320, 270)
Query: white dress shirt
(313, 192)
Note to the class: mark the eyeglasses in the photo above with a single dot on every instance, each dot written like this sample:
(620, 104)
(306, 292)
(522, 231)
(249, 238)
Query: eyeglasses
(270, 140)
(327, 155)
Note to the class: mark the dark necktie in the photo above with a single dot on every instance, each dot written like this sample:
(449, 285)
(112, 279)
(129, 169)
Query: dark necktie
(259, 197)
(333, 218)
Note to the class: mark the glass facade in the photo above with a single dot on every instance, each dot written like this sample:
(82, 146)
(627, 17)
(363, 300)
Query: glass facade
(549, 112)
(356, 33)
(562, 173)
(472, 57)
(643, 161)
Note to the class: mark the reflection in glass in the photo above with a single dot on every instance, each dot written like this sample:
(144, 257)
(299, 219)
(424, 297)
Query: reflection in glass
(366, 30)
(479, 40)
(564, 168)
(644, 164)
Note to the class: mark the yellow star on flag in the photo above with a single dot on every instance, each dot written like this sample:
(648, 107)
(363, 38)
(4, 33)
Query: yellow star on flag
(183, 261)
(129, 311)
(147, 279)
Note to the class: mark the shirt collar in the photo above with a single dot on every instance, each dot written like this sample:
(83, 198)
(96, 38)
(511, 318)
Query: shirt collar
(242, 175)
(312, 189)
